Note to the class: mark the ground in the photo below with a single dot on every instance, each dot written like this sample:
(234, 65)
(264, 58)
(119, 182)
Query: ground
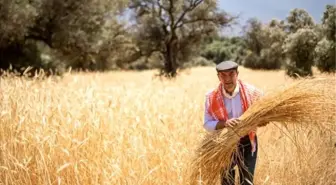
(133, 128)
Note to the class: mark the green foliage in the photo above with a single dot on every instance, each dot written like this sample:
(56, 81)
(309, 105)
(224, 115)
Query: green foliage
(90, 35)
(300, 44)
(325, 50)
(299, 47)
(252, 60)
(272, 58)
(264, 43)
(224, 49)
(254, 36)
(298, 19)
(42, 33)
(266, 60)
(15, 19)
(325, 55)
(329, 23)
(295, 72)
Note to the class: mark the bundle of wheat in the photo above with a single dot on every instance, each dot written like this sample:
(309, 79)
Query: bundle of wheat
(308, 101)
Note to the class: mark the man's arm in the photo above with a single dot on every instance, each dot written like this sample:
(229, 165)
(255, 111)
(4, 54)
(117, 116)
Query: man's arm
(211, 124)
(220, 125)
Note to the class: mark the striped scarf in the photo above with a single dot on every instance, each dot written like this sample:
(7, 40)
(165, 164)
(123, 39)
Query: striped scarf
(248, 95)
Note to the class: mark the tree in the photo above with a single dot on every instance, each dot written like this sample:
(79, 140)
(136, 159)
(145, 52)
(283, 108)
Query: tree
(325, 55)
(77, 28)
(300, 44)
(325, 50)
(73, 32)
(276, 23)
(299, 47)
(15, 19)
(264, 44)
(328, 22)
(254, 36)
(174, 28)
(297, 19)
(272, 55)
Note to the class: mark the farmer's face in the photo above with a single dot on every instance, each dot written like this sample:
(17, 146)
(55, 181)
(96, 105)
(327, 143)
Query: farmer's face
(229, 79)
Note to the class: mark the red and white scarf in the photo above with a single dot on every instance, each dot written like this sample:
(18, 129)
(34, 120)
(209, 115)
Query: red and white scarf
(248, 95)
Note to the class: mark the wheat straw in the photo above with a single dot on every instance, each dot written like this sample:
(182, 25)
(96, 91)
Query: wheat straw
(303, 102)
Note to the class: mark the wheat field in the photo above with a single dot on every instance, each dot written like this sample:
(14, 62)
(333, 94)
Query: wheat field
(131, 128)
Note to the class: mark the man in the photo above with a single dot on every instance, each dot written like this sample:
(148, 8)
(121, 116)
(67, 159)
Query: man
(223, 107)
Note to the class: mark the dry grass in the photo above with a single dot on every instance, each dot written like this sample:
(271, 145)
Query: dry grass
(127, 128)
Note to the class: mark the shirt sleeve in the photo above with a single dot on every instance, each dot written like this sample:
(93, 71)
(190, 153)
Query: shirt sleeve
(209, 121)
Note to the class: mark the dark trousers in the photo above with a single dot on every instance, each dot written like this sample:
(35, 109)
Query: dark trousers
(246, 164)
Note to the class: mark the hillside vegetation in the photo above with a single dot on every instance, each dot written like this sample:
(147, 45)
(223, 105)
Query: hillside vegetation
(89, 35)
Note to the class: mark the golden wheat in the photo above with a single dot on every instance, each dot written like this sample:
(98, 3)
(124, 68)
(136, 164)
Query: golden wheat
(128, 128)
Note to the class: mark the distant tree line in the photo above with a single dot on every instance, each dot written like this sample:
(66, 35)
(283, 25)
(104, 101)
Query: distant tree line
(58, 35)
(295, 44)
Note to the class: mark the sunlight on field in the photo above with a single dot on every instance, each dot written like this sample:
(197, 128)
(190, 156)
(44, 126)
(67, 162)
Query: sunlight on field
(132, 128)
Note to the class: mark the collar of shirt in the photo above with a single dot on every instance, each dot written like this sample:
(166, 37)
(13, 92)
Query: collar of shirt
(235, 92)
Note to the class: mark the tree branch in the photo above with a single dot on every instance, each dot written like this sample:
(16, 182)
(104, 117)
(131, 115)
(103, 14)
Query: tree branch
(172, 18)
(39, 38)
(196, 20)
(161, 6)
(193, 5)
(164, 26)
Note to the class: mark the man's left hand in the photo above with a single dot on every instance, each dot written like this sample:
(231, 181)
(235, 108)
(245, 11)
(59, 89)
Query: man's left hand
(232, 122)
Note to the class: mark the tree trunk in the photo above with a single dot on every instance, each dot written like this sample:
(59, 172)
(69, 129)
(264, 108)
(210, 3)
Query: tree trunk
(170, 57)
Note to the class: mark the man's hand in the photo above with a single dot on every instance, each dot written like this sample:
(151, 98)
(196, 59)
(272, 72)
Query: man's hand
(229, 123)
(232, 122)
